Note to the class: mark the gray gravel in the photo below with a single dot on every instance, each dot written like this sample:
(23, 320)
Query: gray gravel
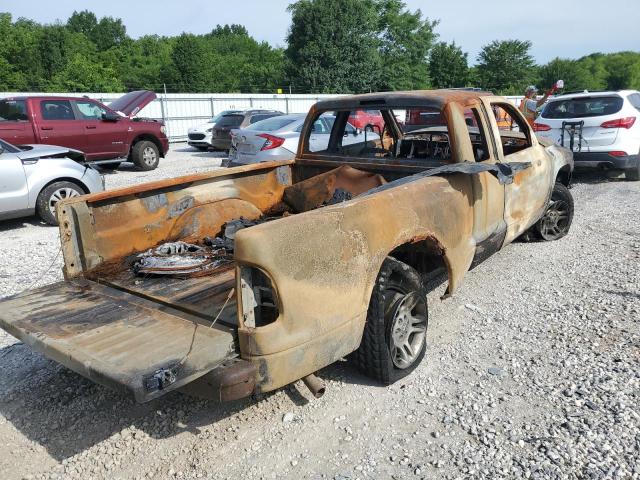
(532, 372)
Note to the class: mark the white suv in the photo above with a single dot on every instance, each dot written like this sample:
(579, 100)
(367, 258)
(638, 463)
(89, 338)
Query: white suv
(602, 129)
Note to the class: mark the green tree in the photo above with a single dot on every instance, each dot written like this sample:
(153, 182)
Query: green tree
(332, 46)
(108, 33)
(448, 66)
(190, 64)
(84, 22)
(506, 67)
(623, 70)
(81, 74)
(239, 63)
(405, 41)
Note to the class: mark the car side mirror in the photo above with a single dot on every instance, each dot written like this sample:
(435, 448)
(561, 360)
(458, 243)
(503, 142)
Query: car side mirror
(110, 117)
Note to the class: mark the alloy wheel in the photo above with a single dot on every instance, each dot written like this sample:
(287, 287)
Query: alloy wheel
(555, 222)
(408, 328)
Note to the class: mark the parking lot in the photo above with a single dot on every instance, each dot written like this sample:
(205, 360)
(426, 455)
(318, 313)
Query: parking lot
(531, 372)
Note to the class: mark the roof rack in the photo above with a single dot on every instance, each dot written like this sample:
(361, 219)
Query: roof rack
(573, 92)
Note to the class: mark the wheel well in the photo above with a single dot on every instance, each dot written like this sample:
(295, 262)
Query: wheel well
(564, 176)
(149, 137)
(426, 256)
(66, 179)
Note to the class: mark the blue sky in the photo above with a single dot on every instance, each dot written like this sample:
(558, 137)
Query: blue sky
(566, 29)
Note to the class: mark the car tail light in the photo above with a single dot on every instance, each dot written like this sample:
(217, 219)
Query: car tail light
(626, 122)
(618, 153)
(271, 141)
(541, 127)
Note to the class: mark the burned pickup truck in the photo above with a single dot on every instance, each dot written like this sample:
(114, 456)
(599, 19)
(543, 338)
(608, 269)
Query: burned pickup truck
(244, 280)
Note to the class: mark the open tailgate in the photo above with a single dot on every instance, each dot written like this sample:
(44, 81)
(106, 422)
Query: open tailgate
(115, 338)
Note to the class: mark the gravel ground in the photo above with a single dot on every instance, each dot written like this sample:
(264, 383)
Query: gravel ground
(532, 372)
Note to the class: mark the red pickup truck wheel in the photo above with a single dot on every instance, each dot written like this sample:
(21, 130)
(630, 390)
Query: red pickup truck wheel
(145, 155)
(394, 341)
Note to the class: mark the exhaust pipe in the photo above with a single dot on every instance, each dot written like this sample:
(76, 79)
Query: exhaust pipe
(314, 384)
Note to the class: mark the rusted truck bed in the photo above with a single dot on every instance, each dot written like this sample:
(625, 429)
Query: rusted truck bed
(200, 296)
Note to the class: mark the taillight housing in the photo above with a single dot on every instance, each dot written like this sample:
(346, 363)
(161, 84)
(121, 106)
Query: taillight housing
(618, 153)
(626, 122)
(541, 127)
(271, 141)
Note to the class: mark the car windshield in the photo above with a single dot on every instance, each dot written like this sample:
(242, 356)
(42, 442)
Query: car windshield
(272, 124)
(583, 107)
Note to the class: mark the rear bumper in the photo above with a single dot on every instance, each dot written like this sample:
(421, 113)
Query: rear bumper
(605, 161)
(273, 155)
(221, 143)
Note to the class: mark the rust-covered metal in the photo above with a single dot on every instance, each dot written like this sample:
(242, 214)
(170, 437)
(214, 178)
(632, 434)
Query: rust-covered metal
(319, 261)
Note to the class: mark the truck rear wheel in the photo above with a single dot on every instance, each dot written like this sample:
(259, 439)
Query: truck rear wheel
(394, 341)
(51, 195)
(145, 155)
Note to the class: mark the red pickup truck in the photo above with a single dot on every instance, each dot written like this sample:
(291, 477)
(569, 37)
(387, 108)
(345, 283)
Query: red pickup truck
(107, 135)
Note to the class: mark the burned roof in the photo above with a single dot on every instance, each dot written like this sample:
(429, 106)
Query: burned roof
(414, 98)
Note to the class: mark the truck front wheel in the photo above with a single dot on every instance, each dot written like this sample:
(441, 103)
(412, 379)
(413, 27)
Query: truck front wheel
(145, 155)
(394, 341)
(556, 221)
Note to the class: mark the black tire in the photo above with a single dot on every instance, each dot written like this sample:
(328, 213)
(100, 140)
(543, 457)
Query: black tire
(51, 195)
(397, 287)
(634, 173)
(556, 221)
(145, 155)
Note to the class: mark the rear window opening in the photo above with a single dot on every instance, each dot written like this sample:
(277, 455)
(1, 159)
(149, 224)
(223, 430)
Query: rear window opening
(583, 107)
(230, 121)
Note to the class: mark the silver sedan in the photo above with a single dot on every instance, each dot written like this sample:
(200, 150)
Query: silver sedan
(34, 178)
(277, 138)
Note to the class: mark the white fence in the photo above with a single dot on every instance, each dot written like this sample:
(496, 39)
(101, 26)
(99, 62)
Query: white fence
(183, 110)
(180, 111)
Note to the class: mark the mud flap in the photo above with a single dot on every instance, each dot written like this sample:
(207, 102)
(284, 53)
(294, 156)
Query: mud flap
(115, 338)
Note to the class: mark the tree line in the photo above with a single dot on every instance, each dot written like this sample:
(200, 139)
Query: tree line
(333, 46)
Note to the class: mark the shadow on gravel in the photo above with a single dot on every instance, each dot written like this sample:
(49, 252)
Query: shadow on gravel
(597, 176)
(67, 414)
(624, 294)
(34, 221)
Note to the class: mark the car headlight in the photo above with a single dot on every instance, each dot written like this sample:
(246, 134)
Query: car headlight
(163, 129)
(209, 130)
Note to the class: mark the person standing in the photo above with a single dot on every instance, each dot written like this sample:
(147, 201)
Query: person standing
(529, 105)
